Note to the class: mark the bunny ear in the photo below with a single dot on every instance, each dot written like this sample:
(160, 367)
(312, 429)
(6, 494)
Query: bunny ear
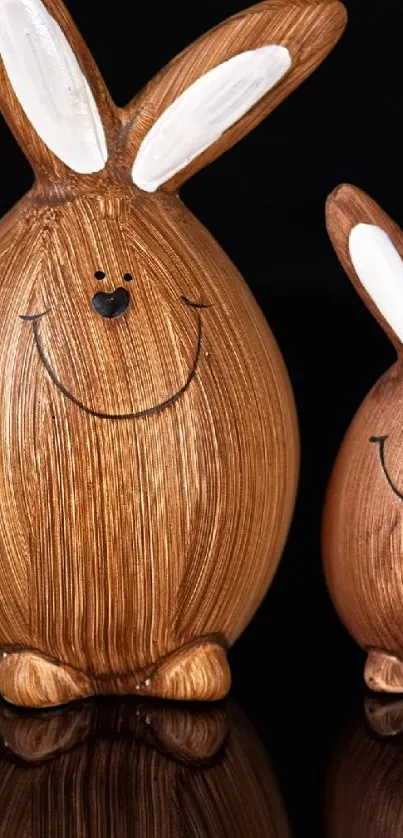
(369, 245)
(51, 92)
(220, 88)
(208, 108)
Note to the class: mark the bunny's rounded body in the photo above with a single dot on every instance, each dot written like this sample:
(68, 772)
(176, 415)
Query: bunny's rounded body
(148, 439)
(364, 523)
(137, 521)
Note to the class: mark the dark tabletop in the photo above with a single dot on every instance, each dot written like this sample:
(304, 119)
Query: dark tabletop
(310, 758)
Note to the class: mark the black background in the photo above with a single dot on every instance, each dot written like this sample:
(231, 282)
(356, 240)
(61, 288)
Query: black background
(296, 671)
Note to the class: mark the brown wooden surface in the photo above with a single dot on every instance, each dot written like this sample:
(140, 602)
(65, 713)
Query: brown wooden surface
(363, 535)
(46, 165)
(309, 29)
(134, 770)
(133, 551)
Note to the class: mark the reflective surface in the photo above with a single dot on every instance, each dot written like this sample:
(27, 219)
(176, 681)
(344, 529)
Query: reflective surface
(133, 769)
(365, 779)
(323, 760)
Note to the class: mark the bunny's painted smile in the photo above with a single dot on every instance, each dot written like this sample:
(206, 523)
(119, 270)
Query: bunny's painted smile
(35, 320)
(380, 441)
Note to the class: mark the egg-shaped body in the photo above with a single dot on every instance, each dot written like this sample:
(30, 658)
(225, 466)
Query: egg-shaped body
(363, 521)
(148, 461)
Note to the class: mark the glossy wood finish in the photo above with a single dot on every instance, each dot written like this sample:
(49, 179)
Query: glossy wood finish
(148, 463)
(128, 769)
(308, 28)
(364, 785)
(362, 536)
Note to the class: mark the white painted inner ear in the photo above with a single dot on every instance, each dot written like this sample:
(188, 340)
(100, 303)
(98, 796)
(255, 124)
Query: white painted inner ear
(201, 114)
(50, 85)
(379, 268)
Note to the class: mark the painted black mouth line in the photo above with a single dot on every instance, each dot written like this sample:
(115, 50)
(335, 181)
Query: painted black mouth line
(34, 319)
(380, 441)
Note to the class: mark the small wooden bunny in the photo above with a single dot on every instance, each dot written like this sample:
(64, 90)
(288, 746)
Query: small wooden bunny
(363, 531)
(148, 438)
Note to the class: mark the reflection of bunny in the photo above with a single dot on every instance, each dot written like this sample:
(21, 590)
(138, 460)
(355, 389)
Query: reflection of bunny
(120, 768)
(148, 442)
(363, 532)
(363, 789)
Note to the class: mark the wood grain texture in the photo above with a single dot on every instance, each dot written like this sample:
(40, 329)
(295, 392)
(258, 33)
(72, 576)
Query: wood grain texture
(309, 29)
(364, 785)
(363, 523)
(129, 769)
(384, 715)
(48, 168)
(122, 541)
(148, 463)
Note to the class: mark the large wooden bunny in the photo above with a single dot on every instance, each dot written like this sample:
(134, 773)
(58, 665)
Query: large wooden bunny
(148, 439)
(363, 522)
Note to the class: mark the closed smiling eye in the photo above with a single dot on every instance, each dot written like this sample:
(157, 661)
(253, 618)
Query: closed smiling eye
(193, 304)
(34, 317)
(380, 442)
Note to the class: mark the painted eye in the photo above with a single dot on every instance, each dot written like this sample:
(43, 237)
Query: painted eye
(99, 275)
(128, 277)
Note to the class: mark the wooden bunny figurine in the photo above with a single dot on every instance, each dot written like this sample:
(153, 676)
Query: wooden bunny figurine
(148, 438)
(363, 532)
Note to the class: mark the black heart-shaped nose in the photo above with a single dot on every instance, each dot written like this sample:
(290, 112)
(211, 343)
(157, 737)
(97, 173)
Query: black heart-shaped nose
(111, 305)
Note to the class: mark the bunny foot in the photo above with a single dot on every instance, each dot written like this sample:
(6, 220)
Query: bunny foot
(384, 672)
(28, 679)
(197, 672)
